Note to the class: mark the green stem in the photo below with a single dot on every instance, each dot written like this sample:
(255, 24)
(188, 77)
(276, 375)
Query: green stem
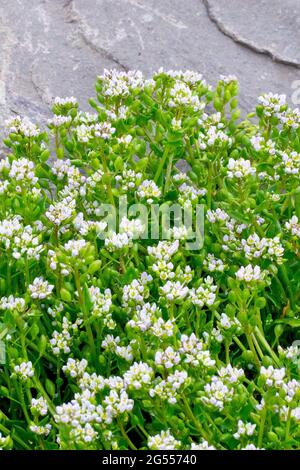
(239, 343)
(288, 424)
(227, 352)
(192, 417)
(171, 311)
(257, 346)
(126, 437)
(14, 437)
(108, 184)
(262, 427)
(286, 282)
(253, 350)
(47, 356)
(27, 274)
(209, 185)
(23, 404)
(168, 174)
(43, 392)
(266, 345)
(8, 277)
(58, 272)
(122, 265)
(85, 316)
(161, 164)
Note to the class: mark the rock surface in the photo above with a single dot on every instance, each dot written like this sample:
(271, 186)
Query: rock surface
(57, 47)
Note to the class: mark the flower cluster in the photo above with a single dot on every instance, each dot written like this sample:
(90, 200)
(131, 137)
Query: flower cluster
(117, 331)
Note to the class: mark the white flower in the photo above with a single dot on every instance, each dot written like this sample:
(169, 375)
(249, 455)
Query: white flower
(125, 352)
(217, 215)
(251, 447)
(24, 371)
(118, 241)
(203, 446)
(75, 368)
(291, 162)
(61, 341)
(168, 358)
(117, 403)
(84, 133)
(92, 382)
(129, 179)
(239, 168)
(259, 144)
(217, 393)
(174, 291)
(273, 377)
(79, 411)
(26, 242)
(124, 140)
(12, 303)
(58, 121)
(144, 317)
(214, 264)
(228, 79)
(61, 211)
(204, 294)
(40, 289)
(164, 250)
(135, 292)
(250, 273)
(148, 190)
(291, 388)
(194, 351)
(169, 389)
(139, 374)
(188, 194)
(74, 247)
(103, 130)
(256, 247)
(39, 406)
(117, 83)
(162, 328)
(68, 101)
(293, 226)
(61, 168)
(132, 228)
(22, 126)
(232, 374)
(226, 322)
(272, 103)
(22, 170)
(102, 303)
(41, 430)
(163, 441)
(244, 429)
(110, 342)
(291, 352)
(182, 95)
(84, 433)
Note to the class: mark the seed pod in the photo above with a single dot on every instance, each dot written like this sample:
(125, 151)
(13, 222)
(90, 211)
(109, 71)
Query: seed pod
(45, 155)
(95, 266)
(42, 345)
(267, 361)
(272, 436)
(50, 387)
(65, 295)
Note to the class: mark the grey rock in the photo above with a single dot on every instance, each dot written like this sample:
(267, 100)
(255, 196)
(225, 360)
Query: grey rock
(271, 28)
(54, 48)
